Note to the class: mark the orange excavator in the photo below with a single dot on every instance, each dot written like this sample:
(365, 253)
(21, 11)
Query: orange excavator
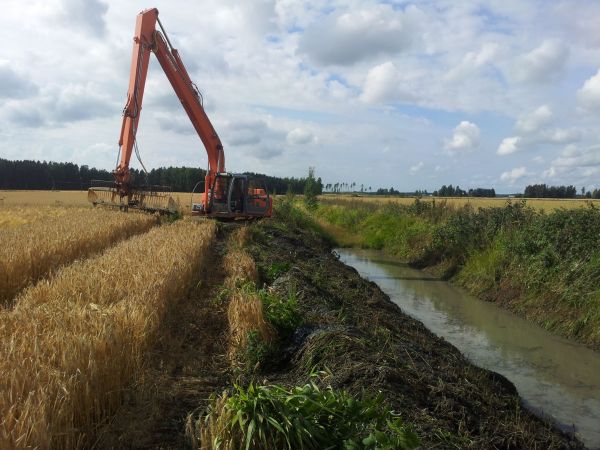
(226, 195)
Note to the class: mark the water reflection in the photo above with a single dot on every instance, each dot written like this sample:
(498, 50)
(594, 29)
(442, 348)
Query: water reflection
(554, 376)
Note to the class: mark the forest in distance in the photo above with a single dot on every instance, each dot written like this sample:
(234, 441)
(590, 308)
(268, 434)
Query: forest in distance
(36, 175)
(48, 175)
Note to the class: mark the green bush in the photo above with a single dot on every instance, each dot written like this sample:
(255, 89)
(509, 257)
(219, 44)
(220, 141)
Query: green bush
(282, 313)
(305, 417)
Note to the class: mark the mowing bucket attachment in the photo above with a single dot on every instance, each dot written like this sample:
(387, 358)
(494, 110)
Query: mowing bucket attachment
(151, 199)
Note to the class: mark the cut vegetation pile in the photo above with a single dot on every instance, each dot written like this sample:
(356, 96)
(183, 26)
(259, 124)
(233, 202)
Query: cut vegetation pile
(74, 343)
(36, 245)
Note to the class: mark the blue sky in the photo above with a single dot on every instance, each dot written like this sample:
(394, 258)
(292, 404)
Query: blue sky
(398, 93)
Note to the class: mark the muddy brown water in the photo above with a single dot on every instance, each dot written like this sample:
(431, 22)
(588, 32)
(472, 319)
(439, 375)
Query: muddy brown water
(555, 377)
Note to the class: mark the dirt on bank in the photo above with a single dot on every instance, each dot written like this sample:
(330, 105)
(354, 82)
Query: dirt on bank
(364, 343)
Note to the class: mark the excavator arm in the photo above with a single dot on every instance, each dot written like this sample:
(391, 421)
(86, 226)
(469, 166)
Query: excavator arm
(148, 39)
(226, 196)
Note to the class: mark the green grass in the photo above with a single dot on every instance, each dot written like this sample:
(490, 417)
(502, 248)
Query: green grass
(303, 417)
(484, 268)
(282, 313)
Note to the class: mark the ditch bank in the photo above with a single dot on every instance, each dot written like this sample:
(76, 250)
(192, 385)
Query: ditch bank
(359, 341)
(543, 266)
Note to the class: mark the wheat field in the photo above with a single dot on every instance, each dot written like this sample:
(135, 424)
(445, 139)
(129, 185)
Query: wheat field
(184, 199)
(74, 343)
(59, 199)
(13, 216)
(546, 204)
(34, 242)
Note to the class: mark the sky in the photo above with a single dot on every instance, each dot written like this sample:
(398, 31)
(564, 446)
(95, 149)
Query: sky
(410, 95)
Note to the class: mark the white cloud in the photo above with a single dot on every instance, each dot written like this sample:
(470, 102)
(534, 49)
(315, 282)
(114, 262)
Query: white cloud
(255, 137)
(87, 15)
(384, 83)
(536, 129)
(509, 145)
(532, 123)
(55, 108)
(360, 33)
(559, 135)
(512, 176)
(299, 136)
(473, 62)
(574, 157)
(589, 94)
(575, 165)
(416, 168)
(13, 84)
(543, 63)
(465, 138)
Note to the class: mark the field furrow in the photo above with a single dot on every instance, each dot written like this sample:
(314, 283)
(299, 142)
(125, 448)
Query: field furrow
(75, 342)
(34, 246)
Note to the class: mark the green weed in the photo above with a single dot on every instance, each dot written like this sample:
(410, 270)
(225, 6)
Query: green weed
(276, 269)
(282, 313)
(303, 417)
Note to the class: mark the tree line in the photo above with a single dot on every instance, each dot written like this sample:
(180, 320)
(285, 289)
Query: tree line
(68, 176)
(544, 191)
(451, 191)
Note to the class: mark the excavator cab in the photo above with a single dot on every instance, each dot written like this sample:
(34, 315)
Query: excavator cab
(235, 196)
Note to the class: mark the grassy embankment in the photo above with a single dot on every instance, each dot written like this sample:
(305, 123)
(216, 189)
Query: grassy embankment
(542, 265)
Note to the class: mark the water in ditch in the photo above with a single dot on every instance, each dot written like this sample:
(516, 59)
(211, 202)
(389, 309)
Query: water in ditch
(554, 376)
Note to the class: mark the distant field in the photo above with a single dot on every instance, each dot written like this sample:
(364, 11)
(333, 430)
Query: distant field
(69, 198)
(79, 198)
(546, 204)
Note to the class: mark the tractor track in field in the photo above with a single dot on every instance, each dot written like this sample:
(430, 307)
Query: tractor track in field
(185, 367)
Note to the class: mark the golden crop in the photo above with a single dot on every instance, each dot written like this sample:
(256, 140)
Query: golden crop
(59, 199)
(546, 204)
(245, 310)
(73, 343)
(15, 216)
(40, 242)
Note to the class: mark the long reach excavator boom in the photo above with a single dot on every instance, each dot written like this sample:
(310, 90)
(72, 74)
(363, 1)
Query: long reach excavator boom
(225, 195)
